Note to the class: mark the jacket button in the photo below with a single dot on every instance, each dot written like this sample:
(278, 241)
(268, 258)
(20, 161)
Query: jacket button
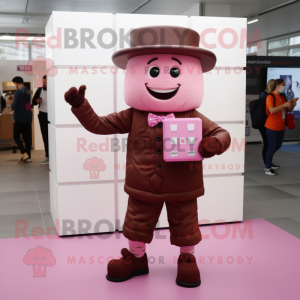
(158, 166)
(159, 125)
(158, 138)
(158, 151)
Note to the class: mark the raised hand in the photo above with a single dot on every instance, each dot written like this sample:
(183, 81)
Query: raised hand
(75, 97)
(294, 101)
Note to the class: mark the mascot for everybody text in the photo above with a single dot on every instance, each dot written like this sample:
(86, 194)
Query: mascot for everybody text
(163, 84)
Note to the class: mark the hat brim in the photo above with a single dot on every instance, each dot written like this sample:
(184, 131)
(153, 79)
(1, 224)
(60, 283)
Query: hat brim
(206, 57)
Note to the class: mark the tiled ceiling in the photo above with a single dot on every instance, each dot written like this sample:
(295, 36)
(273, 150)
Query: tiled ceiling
(41, 8)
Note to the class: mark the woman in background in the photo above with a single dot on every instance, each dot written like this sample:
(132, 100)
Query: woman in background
(267, 91)
(262, 130)
(275, 124)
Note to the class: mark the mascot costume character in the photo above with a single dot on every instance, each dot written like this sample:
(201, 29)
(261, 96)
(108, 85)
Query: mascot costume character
(163, 85)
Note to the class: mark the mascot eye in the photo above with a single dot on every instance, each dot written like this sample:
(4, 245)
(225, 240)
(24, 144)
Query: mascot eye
(153, 71)
(174, 72)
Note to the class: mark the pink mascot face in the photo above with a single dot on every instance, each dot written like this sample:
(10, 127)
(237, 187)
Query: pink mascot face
(163, 83)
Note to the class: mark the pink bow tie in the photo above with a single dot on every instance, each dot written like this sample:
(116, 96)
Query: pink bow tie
(153, 119)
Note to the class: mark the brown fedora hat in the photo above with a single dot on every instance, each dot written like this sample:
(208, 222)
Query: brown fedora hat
(165, 40)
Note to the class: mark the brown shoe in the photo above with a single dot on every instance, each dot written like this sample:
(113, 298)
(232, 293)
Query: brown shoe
(20, 161)
(23, 158)
(188, 274)
(126, 267)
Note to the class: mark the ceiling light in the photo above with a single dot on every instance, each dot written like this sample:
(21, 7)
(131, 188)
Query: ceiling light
(253, 21)
(21, 38)
(7, 37)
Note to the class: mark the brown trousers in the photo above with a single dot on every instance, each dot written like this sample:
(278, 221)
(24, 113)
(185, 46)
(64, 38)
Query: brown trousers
(142, 217)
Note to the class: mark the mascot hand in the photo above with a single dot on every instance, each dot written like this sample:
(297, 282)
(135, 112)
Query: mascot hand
(208, 147)
(74, 97)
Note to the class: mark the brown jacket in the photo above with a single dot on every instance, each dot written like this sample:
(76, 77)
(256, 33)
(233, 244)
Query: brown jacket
(148, 176)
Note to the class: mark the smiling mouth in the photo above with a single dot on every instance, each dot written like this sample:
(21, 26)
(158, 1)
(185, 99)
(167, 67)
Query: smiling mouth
(162, 94)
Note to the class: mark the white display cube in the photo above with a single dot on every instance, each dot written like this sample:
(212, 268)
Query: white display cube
(85, 196)
(52, 150)
(99, 91)
(77, 49)
(224, 95)
(226, 37)
(233, 160)
(221, 193)
(74, 152)
(82, 206)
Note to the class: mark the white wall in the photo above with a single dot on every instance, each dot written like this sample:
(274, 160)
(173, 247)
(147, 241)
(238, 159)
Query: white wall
(71, 184)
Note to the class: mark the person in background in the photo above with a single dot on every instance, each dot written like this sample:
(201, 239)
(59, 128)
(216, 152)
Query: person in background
(275, 124)
(262, 130)
(40, 99)
(23, 118)
(267, 91)
(2, 103)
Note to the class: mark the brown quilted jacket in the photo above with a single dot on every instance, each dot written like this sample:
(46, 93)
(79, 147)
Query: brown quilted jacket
(148, 176)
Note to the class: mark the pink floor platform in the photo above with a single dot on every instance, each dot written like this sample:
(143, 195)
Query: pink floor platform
(263, 264)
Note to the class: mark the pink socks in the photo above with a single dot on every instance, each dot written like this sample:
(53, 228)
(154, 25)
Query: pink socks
(187, 249)
(137, 248)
